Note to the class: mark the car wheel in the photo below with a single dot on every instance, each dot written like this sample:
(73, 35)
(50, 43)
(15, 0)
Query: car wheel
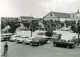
(31, 44)
(70, 46)
(55, 45)
(39, 44)
(17, 41)
(67, 46)
(24, 43)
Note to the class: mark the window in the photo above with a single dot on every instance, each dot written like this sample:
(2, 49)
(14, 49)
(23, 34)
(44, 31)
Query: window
(26, 37)
(50, 14)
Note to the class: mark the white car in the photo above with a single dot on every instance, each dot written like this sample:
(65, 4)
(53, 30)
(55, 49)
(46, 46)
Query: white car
(6, 36)
(2, 39)
(14, 37)
(19, 39)
(27, 40)
(55, 36)
(65, 29)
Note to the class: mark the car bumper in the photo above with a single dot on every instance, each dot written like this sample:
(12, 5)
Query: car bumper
(35, 43)
(12, 40)
(19, 41)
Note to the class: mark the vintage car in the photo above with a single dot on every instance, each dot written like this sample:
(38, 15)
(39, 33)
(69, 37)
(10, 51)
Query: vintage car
(64, 43)
(27, 40)
(14, 38)
(19, 39)
(38, 41)
(2, 39)
(6, 36)
(65, 29)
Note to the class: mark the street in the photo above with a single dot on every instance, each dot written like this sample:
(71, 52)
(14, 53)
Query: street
(47, 50)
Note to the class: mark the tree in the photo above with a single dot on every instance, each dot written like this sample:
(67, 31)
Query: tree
(3, 25)
(26, 24)
(33, 26)
(49, 34)
(78, 31)
(73, 28)
(13, 26)
(62, 24)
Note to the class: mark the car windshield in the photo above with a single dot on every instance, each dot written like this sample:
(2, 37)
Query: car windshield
(26, 37)
(36, 39)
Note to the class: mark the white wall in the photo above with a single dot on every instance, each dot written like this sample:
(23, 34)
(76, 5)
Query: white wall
(24, 33)
(64, 19)
(49, 17)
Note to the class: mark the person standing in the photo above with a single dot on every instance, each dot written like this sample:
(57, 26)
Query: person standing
(5, 48)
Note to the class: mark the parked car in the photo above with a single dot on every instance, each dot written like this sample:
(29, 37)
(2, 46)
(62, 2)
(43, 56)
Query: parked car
(2, 39)
(64, 43)
(65, 29)
(38, 41)
(19, 39)
(55, 36)
(27, 40)
(6, 36)
(75, 39)
(14, 37)
(22, 39)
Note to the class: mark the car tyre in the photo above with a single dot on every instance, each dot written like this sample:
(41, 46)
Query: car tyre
(24, 43)
(31, 44)
(39, 44)
(17, 41)
(55, 45)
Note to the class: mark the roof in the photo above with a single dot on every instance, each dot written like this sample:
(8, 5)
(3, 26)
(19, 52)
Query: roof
(61, 15)
(39, 18)
(9, 17)
(26, 17)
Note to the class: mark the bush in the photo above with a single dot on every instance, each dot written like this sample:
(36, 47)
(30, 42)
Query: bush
(73, 28)
(49, 34)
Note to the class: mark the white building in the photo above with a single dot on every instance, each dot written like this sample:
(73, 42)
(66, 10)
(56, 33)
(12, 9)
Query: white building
(75, 16)
(57, 16)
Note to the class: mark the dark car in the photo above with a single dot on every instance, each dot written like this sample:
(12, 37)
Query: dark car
(64, 44)
(38, 41)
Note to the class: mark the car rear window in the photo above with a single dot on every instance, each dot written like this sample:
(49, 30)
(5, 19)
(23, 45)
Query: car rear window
(36, 39)
(26, 37)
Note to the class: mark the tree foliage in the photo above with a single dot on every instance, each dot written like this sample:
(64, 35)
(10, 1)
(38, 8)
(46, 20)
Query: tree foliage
(13, 26)
(49, 34)
(2, 25)
(78, 29)
(73, 28)
(33, 25)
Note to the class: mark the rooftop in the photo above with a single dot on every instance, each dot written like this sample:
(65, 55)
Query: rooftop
(61, 15)
(26, 17)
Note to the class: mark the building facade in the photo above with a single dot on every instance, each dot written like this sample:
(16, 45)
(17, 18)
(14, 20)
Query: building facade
(26, 18)
(57, 16)
(75, 16)
(9, 19)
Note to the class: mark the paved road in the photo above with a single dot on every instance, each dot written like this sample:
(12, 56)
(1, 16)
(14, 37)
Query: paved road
(47, 50)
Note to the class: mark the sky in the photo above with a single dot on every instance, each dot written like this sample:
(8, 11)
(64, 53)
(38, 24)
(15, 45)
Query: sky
(37, 8)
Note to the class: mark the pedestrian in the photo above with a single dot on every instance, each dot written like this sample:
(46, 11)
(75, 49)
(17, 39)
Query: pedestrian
(59, 36)
(5, 48)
